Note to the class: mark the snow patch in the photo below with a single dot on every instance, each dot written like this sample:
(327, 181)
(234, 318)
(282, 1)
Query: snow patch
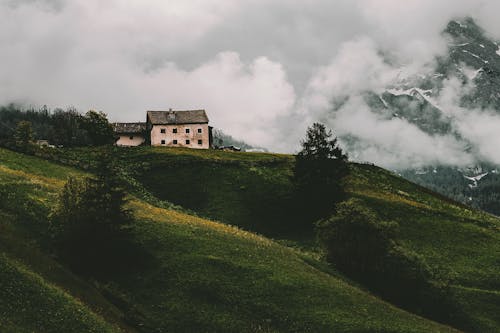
(498, 50)
(415, 92)
(475, 179)
(471, 74)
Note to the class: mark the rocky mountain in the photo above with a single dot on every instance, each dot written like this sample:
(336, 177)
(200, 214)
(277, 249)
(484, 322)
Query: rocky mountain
(473, 62)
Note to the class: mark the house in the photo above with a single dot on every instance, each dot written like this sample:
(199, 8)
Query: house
(130, 134)
(179, 129)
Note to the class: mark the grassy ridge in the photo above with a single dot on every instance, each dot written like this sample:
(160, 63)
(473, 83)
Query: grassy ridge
(199, 276)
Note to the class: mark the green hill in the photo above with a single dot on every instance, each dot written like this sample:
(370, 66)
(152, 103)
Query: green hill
(199, 275)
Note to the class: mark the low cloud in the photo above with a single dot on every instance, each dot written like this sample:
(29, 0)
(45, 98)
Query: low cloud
(263, 69)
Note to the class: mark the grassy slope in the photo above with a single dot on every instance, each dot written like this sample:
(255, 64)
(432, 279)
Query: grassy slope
(464, 243)
(33, 287)
(247, 190)
(202, 276)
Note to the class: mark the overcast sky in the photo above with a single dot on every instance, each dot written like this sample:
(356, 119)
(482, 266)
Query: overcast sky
(263, 69)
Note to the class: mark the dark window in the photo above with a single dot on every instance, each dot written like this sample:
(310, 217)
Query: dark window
(174, 130)
(187, 130)
(162, 142)
(131, 137)
(175, 142)
(188, 142)
(200, 142)
(162, 130)
(199, 130)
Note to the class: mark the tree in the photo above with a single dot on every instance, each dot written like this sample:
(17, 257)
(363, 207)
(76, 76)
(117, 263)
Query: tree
(356, 241)
(98, 128)
(368, 250)
(23, 134)
(90, 222)
(319, 170)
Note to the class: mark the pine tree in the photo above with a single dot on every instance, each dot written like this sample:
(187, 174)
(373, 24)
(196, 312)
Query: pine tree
(320, 168)
(90, 222)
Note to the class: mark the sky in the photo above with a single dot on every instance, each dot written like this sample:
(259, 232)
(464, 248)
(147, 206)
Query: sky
(263, 69)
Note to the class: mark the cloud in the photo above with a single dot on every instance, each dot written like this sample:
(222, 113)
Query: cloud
(263, 69)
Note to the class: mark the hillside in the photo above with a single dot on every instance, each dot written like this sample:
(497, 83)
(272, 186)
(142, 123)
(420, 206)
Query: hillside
(195, 275)
(251, 191)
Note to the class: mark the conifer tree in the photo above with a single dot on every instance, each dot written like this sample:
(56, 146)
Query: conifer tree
(320, 168)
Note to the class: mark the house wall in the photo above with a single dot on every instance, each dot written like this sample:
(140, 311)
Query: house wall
(124, 140)
(181, 136)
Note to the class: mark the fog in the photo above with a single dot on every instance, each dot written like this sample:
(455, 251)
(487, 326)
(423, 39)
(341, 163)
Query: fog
(263, 70)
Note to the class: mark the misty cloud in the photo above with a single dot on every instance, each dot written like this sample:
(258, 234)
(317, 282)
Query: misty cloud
(263, 69)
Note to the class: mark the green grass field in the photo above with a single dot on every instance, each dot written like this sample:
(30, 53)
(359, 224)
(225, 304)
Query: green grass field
(204, 276)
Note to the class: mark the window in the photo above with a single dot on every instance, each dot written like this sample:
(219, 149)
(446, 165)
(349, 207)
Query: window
(174, 142)
(188, 142)
(200, 142)
(174, 130)
(199, 130)
(162, 130)
(187, 130)
(131, 137)
(162, 142)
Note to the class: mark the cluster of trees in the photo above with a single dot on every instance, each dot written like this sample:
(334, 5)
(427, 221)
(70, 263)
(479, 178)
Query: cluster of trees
(450, 182)
(355, 240)
(67, 128)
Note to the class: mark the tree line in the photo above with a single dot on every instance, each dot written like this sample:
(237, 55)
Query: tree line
(68, 128)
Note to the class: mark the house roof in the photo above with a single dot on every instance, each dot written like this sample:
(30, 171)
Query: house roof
(177, 117)
(129, 128)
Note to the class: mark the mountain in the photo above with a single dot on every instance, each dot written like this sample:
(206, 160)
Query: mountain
(203, 275)
(470, 72)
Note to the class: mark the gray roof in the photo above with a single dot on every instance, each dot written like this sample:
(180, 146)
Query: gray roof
(177, 117)
(129, 128)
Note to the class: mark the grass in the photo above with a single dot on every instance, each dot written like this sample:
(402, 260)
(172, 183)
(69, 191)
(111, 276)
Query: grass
(31, 304)
(197, 275)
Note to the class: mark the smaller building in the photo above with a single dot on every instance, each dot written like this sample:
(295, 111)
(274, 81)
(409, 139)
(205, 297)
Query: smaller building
(130, 134)
(179, 129)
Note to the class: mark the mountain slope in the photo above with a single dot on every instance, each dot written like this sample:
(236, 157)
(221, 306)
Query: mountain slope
(197, 275)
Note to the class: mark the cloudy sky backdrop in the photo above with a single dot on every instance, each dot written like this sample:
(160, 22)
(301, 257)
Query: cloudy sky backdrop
(263, 69)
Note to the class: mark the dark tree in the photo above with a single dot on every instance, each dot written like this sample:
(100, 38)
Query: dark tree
(90, 222)
(368, 250)
(23, 134)
(355, 240)
(320, 168)
(98, 127)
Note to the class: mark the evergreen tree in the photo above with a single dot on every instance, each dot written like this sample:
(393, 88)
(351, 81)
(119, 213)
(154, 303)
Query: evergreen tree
(318, 173)
(23, 134)
(90, 222)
